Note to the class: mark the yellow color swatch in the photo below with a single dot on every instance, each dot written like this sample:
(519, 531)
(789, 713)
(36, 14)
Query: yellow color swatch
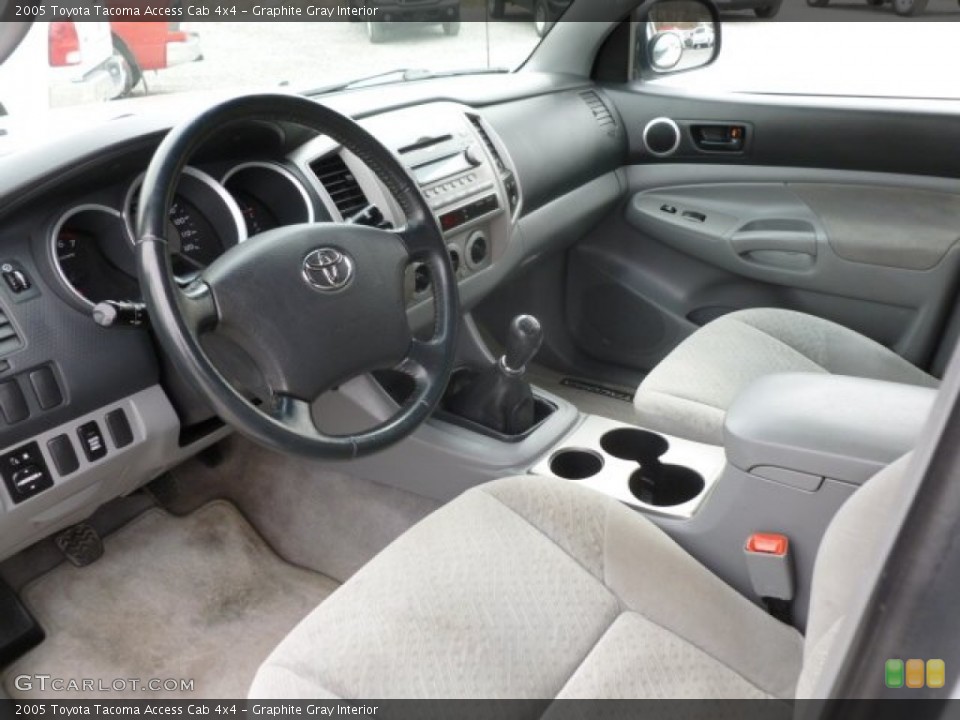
(936, 673)
(914, 673)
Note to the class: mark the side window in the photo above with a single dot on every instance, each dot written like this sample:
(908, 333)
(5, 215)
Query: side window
(906, 59)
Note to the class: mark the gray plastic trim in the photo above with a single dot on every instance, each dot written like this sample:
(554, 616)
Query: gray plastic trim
(741, 504)
(74, 497)
(824, 426)
(439, 460)
(757, 228)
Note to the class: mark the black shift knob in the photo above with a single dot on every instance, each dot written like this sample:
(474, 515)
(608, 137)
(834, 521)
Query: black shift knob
(524, 337)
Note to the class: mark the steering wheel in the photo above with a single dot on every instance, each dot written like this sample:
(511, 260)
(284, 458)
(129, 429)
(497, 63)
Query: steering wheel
(313, 304)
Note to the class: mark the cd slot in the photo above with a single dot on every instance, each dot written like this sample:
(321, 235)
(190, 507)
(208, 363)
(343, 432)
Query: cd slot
(424, 143)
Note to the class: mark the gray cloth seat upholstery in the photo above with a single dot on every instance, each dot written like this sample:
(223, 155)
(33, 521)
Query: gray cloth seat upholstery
(533, 588)
(689, 392)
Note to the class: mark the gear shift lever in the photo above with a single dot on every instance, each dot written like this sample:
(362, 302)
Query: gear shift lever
(523, 341)
(498, 397)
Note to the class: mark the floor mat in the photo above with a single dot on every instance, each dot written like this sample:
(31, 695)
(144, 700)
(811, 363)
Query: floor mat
(198, 598)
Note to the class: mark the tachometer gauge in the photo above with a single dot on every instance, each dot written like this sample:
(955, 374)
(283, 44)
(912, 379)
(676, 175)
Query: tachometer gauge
(269, 196)
(256, 214)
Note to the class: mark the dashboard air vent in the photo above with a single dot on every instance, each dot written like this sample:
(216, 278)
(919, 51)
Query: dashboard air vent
(9, 340)
(601, 113)
(482, 132)
(340, 183)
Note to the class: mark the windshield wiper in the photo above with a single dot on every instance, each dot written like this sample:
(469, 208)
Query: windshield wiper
(400, 75)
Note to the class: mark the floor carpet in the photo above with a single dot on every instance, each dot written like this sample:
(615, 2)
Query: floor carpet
(198, 598)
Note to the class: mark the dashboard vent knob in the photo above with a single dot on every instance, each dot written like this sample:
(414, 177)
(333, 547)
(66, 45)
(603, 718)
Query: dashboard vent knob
(661, 137)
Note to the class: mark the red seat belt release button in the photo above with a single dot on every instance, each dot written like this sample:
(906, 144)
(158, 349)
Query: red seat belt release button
(770, 565)
(768, 543)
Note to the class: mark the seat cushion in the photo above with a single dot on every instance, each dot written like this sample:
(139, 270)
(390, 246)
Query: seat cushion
(688, 394)
(534, 588)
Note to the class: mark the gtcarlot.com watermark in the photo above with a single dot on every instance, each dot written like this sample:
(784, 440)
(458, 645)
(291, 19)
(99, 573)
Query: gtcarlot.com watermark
(49, 683)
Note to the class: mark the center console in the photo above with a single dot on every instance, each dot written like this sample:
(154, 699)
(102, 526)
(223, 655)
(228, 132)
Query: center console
(467, 182)
(462, 169)
(654, 473)
(801, 429)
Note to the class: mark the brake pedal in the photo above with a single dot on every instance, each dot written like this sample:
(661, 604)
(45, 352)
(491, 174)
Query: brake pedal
(80, 544)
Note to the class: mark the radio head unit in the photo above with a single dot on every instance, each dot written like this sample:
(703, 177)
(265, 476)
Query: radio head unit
(451, 168)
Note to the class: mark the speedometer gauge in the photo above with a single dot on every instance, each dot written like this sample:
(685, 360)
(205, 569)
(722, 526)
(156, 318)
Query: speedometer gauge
(204, 221)
(193, 241)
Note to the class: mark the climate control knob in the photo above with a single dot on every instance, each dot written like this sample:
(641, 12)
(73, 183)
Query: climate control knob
(478, 249)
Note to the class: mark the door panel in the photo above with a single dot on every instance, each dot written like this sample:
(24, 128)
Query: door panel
(700, 236)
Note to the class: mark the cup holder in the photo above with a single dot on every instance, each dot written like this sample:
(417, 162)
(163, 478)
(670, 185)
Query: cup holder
(665, 485)
(641, 446)
(576, 464)
(654, 483)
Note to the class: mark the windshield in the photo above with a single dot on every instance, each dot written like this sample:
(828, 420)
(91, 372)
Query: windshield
(87, 63)
(307, 55)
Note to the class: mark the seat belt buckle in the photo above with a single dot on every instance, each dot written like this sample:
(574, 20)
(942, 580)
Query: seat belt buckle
(770, 566)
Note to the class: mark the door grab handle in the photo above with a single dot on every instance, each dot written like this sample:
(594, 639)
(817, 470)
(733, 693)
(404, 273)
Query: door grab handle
(795, 241)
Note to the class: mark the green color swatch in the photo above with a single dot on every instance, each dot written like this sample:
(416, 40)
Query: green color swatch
(893, 672)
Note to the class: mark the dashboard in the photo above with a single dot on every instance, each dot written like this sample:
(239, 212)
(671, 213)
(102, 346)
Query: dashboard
(450, 152)
(88, 413)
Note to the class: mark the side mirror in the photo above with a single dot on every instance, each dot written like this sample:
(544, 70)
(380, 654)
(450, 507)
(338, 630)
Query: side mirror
(674, 36)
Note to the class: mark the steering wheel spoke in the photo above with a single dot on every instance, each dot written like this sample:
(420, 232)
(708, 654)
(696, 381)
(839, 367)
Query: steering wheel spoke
(199, 308)
(418, 238)
(424, 360)
(293, 413)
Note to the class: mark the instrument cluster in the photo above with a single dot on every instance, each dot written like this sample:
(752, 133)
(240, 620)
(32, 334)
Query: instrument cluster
(91, 244)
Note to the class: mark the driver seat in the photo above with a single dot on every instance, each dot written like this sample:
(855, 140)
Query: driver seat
(532, 588)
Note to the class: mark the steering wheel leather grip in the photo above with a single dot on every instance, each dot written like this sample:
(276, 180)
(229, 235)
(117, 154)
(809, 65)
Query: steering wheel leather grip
(312, 304)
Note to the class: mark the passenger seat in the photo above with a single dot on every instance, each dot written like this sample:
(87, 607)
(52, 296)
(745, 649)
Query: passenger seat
(688, 393)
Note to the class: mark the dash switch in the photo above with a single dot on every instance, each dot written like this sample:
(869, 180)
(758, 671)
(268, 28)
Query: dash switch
(46, 388)
(119, 428)
(92, 441)
(63, 455)
(13, 404)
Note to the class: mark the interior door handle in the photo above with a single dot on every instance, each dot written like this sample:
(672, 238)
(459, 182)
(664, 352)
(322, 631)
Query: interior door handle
(791, 241)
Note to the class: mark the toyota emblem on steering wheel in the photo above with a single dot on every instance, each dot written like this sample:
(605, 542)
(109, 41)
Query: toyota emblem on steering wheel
(327, 269)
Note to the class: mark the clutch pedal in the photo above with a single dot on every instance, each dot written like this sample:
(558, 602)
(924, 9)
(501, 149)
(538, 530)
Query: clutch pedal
(80, 544)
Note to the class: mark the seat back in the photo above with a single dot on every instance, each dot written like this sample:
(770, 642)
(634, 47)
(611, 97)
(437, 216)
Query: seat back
(849, 555)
